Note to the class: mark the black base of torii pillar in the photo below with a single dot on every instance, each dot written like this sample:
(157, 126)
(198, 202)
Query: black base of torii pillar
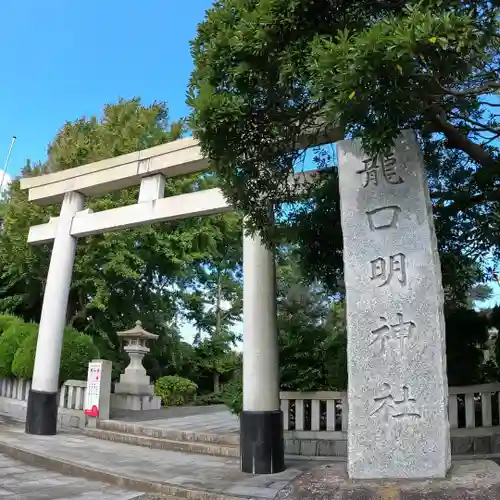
(261, 442)
(41, 414)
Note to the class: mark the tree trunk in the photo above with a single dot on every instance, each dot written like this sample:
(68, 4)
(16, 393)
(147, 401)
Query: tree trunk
(216, 383)
(218, 311)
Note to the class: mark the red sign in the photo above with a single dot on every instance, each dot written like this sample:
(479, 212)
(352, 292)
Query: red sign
(93, 412)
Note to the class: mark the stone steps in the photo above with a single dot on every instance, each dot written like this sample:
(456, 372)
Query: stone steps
(162, 443)
(152, 490)
(169, 434)
(157, 473)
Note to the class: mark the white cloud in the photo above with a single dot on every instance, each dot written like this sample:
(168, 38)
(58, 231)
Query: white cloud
(7, 180)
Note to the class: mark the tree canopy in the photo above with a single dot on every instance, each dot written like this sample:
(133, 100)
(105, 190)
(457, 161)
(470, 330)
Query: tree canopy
(165, 273)
(266, 72)
(119, 276)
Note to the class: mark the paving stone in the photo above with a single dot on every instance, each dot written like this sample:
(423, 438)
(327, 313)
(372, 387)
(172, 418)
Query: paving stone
(462, 445)
(279, 485)
(252, 491)
(495, 443)
(211, 474)
(8, 471)
(309, 447)
(482, 445)
(26, 482)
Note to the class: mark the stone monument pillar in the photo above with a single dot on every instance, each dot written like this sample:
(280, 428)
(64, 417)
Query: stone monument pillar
(135, 391)
(398, 389)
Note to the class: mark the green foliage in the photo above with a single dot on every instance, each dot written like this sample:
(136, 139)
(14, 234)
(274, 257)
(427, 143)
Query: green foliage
(213, 398)
(213, 302)
(10, 342)
(495, 323)
(312, 332)
(174, 390)
(24, 358)
(218, 281)
(6, 320)
(415, 62)
(118, 277)
(77, 351)
(495, 318)
(214, 356)
(466, 337)
(232, 394)
(268, 73)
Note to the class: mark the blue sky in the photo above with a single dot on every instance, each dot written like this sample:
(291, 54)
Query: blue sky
(62, 60)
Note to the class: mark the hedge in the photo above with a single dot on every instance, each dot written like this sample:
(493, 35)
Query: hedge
(174, 390)
(77, 351)
(6, 320)
(233, 395)
(10, 342)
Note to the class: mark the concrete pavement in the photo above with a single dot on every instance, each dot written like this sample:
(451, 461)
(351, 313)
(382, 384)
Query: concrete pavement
(21, 481)
(172, 473)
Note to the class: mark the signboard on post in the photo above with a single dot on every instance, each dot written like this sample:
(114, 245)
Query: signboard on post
(98, 389)
(93, 389)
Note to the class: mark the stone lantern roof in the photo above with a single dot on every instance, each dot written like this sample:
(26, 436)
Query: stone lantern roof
(138, 333)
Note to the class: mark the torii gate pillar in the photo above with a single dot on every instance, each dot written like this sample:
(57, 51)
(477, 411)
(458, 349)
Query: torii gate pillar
(41, 415)
(261, 422)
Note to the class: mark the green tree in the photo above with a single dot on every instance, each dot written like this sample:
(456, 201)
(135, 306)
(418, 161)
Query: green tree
(479, 293)
(213, 299)
(466, 337)
(118, 277)
(267, 72)
(312, 332)
(215, 356)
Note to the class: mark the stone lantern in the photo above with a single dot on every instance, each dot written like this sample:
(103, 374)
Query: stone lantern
(134, 391)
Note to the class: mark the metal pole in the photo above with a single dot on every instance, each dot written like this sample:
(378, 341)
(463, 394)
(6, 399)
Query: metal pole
(7, 161)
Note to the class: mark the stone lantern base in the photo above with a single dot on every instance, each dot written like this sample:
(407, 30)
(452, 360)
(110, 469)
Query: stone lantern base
(135, 402)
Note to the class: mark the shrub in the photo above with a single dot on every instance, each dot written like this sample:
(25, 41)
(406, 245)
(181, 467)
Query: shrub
(213, 398)
(10, 342)
(24, 359)
(6, 320)
(77, 351)
(232, 395)
(174, 390)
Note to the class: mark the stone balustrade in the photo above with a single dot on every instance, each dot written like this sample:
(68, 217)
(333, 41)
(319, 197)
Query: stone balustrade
(72, 394)
(15, 389)
(469, 407)
(315, 423)
(14, 398)
(314, 411)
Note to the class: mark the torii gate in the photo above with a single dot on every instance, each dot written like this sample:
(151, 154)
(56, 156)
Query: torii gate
(261, 422)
